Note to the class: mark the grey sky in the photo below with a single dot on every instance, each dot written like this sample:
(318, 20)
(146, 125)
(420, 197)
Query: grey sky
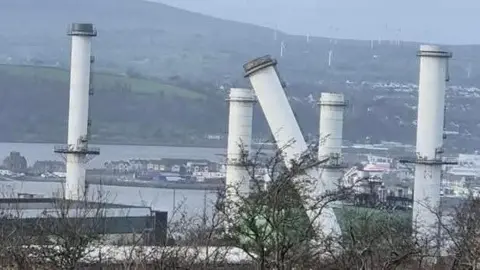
(441, 21)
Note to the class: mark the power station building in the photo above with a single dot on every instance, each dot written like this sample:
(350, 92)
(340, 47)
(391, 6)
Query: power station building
(114, 222)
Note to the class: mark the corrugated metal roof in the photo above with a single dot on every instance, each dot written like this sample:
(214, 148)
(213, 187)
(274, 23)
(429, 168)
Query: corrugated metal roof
(45, 203)
(117, 212)
(35, 207)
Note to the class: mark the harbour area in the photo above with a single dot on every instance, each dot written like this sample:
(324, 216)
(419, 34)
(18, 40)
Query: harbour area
(196, 168)
(34, 166)
(198, 172)
(102, 180)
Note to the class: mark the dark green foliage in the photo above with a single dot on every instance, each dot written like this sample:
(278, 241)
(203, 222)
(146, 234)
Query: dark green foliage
(376, 239)
(277, 213)
(274, 225)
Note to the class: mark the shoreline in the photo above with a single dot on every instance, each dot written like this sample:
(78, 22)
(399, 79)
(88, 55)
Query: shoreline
(145, 184)
(187, 145)
(124, 144)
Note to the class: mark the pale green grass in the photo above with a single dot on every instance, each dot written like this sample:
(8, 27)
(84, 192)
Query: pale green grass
(101, 80)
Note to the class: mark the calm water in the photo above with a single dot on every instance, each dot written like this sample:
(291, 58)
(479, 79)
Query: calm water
(194, 202)
(34, 152)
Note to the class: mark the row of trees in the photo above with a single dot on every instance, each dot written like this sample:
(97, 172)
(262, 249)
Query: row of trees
(268, 229)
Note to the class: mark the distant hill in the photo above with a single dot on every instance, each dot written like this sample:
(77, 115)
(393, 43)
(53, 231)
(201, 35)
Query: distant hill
(136, 110)
(34, 107)
(162, 71)
(162, 41)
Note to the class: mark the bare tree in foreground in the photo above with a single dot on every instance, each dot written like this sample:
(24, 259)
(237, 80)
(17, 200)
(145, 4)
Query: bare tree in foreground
(376, 239)
(15, 241)
(58, 236)
(461, 235)
(68, 231)
(271, 224)
(194, 242)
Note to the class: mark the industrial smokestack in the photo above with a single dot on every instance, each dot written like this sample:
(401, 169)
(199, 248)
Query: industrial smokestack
(271, 96)
(77, 151)
(239, 141)
(430, 124)
(284, 127)
(330, 140)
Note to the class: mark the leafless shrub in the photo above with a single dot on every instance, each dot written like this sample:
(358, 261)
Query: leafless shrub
(272, 224)
(461, 234)
(69, 231)
(195, 242)
(375, 239)
(15, 240)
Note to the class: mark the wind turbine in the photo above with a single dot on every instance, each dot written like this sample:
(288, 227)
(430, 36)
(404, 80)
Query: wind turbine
(399, 33)
(282, 48)
(469, 70)
(330, 58)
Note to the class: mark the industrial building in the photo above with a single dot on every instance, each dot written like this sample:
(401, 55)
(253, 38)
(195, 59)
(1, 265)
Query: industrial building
(114, 222)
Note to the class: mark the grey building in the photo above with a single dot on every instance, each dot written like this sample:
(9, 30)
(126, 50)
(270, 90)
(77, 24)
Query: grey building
(116, 223)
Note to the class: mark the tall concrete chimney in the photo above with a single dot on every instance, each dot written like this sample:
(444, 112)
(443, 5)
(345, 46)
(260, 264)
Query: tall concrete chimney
(268, 88)
(239, 140)
(330, 140)
(430, 127)
(77, 151)
(271, 96)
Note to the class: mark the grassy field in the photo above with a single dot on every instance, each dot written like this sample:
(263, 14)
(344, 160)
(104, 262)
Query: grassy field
(348, 215)
(100, 80)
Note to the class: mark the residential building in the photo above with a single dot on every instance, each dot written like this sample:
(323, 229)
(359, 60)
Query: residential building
(137, 165)
(48, 166)
(118, 166)
(156, 165)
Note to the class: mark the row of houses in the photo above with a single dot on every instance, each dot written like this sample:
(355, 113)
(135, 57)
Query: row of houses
(48, 166)
(193, 167)
(180, 166)
(38, 168)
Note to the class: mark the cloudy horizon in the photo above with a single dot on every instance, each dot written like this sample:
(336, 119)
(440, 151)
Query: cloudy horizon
(437, 21)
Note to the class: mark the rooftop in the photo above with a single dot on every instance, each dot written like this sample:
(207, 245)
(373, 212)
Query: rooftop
(35, 207)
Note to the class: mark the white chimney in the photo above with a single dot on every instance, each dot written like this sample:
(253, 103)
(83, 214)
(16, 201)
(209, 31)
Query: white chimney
(271, 96)
(330, 139)
(77, 150)
(430, 125)
(239, 140)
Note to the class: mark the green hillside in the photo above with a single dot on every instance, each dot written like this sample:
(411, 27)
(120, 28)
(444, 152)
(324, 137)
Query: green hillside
(100, 80)
(124, 109)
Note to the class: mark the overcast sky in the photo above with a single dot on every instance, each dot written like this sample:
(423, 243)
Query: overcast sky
(440, 21)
